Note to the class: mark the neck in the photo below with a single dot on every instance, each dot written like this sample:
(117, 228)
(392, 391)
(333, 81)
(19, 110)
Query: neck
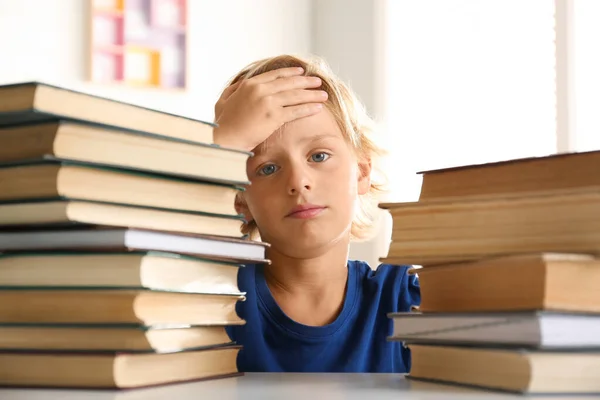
(318, 273)
(311, 291)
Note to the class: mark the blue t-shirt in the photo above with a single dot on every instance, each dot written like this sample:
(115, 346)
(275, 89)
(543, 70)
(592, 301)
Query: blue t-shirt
(355, 342)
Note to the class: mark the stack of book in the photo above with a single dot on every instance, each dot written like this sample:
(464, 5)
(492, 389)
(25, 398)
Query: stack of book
(510, 274)
(119, 241)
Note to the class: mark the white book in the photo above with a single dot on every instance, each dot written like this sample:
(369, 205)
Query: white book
(535, 329)
(134, 239)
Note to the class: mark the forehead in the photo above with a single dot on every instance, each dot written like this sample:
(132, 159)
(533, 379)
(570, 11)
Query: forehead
(318, 127)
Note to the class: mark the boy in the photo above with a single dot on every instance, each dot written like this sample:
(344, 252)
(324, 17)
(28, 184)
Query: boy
(311, 192)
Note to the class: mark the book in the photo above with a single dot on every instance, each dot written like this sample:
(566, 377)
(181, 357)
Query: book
(115, 306)
(521, 371)
(542, 281)
(518, 329)
(427, 233)
(123, 239)
(51, 213)
(115, 370)
(133, 270)
(120, 244)
(509, 276)
(55, 179)
(131, 338)
(37, 101)
(518, 177)
(80, 141)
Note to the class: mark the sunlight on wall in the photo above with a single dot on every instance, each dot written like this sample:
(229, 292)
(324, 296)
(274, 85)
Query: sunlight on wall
(469, 81)
(587, 75)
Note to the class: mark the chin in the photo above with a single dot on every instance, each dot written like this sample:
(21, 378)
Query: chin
(309, 244)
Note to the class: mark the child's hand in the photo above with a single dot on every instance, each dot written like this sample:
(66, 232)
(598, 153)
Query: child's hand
(250, 110)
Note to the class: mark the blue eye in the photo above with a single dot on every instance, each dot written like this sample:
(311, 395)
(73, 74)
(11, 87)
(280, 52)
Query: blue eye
(267, 169)
(319, 157)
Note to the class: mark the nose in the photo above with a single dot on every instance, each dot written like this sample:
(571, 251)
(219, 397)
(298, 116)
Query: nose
(298, 179)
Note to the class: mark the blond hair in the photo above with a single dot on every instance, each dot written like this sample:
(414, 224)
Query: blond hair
(354, 122)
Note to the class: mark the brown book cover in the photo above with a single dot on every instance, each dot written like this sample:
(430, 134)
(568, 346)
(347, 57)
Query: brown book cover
(509, 370)
(30, 102)
(512, 177)
(114, 147)
(61, 212)
(437, 233)
(542, 281)
(104, 370)
(49, 179)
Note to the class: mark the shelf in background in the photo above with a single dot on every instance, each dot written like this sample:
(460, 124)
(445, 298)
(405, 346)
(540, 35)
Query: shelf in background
(142, 43)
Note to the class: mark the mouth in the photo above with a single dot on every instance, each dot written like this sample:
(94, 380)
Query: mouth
(305, 211)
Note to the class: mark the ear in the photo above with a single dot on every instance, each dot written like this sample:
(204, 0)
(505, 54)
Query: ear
(241, 207)
(364, 176)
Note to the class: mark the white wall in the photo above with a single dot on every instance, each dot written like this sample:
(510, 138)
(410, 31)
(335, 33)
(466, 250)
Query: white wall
(350, 35)
(48, 40)
(344, 34)
(587, 79)
(464, 89)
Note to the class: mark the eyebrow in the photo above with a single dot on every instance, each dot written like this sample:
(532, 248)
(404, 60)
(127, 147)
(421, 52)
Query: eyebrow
(320, 137)
(261, 148)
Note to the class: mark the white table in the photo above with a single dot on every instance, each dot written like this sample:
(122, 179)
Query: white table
(281, 387)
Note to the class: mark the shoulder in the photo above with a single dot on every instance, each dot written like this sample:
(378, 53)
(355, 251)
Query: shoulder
(246, 309)
(393, 283)
(383, 272)
(246, 277)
